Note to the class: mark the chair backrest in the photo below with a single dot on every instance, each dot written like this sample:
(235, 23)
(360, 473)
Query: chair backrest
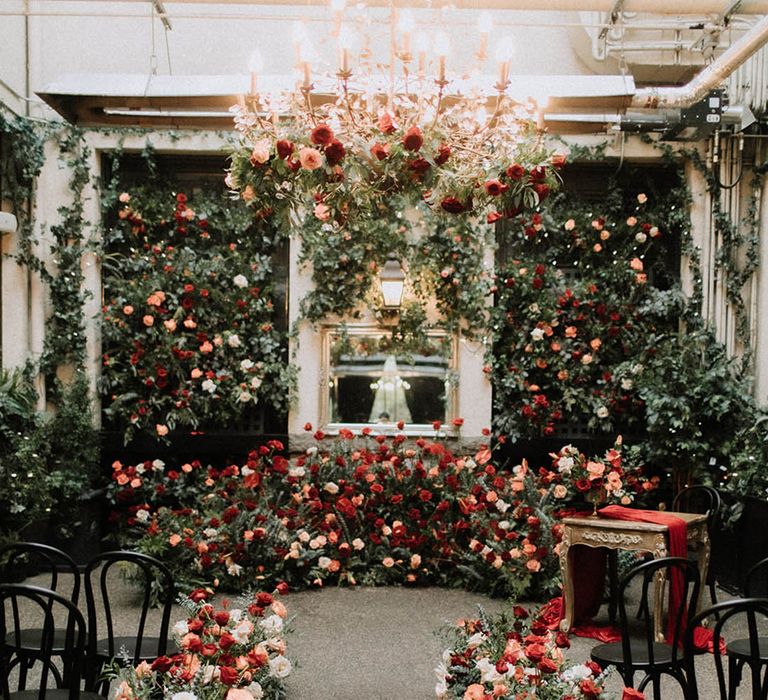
(20, 605)
(756, 580)
(51, 560)
(155, 582)
(750, 614)
(699, 499)
(647, 574)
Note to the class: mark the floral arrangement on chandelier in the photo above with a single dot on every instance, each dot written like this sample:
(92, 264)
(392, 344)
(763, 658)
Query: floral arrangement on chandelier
(235, 652)
(345, 173)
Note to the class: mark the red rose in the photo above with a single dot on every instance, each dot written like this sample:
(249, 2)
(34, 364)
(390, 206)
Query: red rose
(443, 154)
(458, 422)
(293, 165)
(589, 688)
(308, 427)
(542, 190)
(562, 640)
(495, 187)
(284, 148)
(632, 694)
(226, 641)
(583, 485)
(321, 135)
(264, 599)
(419, 165)
(413, 140)
(515, 172)
(221, 617)
(425, 495)
(228, 675)
(335, 152)
(436, 425)
(209, 650)
(380, 150)
(181, 198)
(282, 587)
(547, 666)
(452, 205)
(198, 594)
(162, 664)
(535, 652)
(386, 124)
(538, 174)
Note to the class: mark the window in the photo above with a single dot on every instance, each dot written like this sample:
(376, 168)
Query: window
(371, 378)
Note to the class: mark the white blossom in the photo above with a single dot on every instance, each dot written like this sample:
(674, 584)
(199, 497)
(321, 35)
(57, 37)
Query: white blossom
(240, 281)
(279, 667)
(209, 385)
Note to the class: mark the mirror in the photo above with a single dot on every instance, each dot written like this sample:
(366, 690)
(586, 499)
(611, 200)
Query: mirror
(373, 379)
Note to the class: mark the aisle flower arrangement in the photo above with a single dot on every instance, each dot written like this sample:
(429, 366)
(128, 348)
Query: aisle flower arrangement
(513, 655)
(234, 652)
(364, 509)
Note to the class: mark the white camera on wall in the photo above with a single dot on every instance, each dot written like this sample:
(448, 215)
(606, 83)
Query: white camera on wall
(8, 223)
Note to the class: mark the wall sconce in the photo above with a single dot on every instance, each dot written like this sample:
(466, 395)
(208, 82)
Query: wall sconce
(392, 280)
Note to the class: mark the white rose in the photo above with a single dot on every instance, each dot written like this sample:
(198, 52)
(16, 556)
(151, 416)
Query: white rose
(272, 624)
(209, 385)
(244, 397)
(180, 628)
(210, 532)
(242, 632)
(246, 470)
(602, 412)
(488, 672)
(297, 472)
(537, 333)
(245, 365)
(502, 506)
(256, 690)
(324, 562)
(184, 696)
(140, 469)
(158, 465)
(358, 544)
(256, 382)
(626, 383)
(475, 640)
(234, 341)
(142, 515)
(234, 569)
(312, 451)
(640, 237)
(331, 488)
(279, 667)
(240, 281)
(304, 536)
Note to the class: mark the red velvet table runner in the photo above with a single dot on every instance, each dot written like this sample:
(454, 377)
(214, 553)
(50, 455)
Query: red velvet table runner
(678, 547)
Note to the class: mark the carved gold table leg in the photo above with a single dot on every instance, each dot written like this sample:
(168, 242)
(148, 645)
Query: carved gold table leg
(565, 569)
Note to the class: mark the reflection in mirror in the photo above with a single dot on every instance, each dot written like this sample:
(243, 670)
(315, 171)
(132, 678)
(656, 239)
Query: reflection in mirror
(372, 379)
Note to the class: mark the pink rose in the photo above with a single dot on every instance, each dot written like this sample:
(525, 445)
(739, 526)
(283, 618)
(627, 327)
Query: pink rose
(127, 309)
(149, 321)
(161, 430)
(474, 692)
(310, 158)
(322, 212)
(124, 197)
(260, 153)
(636, 264)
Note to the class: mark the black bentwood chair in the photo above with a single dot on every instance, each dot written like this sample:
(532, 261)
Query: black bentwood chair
(705, 500)
(41, 557)
(638, 649)
(59, 662)
(752, 651)
(155, 582)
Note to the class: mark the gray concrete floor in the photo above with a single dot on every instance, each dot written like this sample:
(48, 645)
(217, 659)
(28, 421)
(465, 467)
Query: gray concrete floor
(383, 643)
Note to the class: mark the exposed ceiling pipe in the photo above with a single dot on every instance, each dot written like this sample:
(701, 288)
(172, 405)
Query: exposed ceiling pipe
(709, 78)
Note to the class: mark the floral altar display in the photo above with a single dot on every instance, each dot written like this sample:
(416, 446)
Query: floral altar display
(366, 509)
(513, 655)
(236, 652)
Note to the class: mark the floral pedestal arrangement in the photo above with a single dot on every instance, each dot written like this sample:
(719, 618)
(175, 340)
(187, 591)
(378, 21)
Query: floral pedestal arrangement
(235, 652)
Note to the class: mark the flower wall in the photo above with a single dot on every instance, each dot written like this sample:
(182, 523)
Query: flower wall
(189, 336)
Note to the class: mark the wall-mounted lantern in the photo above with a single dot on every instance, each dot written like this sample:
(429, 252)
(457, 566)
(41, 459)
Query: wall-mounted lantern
(392, 280)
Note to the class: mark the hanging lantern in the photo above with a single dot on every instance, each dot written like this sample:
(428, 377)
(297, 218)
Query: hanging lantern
(392, 280)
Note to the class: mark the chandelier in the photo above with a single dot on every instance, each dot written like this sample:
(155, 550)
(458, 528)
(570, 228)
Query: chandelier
(409, 76)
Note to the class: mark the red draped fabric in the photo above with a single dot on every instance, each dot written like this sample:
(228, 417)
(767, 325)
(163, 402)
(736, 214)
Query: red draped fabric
(678, 547)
